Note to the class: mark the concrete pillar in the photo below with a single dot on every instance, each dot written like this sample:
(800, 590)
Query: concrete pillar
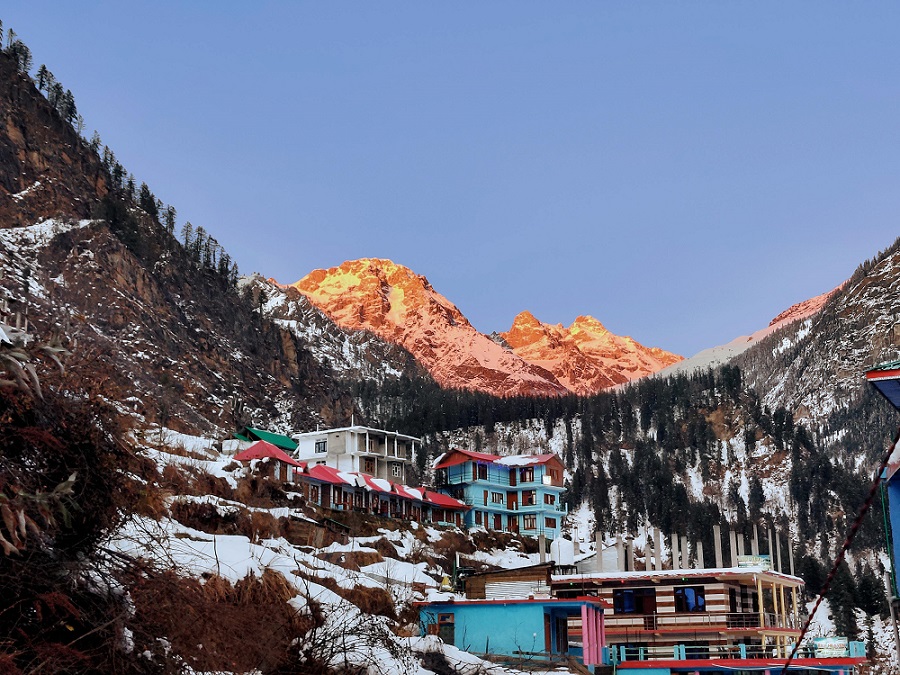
(754, 542)
(685, 553)
(657, 540)
(629, 553)
(732, 547)
(676, 558)
(740, 546)
(778, 552)
(771, 548)
(701, 562)
(791, 554)
(542, 547)
(620, 554)
(717, 545)
(599, 544)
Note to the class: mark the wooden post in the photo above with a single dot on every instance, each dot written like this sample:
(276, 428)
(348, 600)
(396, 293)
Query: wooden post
(762, 611)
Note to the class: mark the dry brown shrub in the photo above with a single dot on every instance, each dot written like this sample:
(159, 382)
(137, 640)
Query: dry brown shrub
(452, 541)
(353, 560)
(263, 525)
(245, 627)
(386, 548)
(207, 518)
(371, 600)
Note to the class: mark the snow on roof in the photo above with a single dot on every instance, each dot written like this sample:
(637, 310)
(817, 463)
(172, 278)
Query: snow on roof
(262, 450)
(448, 459)
(525, 460)
(637, 575)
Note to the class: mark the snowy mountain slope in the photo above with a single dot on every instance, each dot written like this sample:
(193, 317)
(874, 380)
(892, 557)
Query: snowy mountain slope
(818, 364)
(722, 354)
(351, 355)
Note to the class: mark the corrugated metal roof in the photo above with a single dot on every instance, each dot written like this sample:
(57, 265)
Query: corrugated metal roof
(262, 450)
(278, 440)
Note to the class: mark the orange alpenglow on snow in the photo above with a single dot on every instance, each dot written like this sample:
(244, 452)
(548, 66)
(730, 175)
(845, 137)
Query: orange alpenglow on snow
(585, 357)
(401, 306)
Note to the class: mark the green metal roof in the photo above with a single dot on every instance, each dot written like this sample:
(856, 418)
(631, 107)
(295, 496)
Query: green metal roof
(278, 440)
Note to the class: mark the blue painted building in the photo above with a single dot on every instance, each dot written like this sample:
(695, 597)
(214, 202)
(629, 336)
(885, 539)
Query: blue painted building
(523, 628)
(886, 379)
(517, 493)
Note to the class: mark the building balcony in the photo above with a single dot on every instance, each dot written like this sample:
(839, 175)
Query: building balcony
(698, 621)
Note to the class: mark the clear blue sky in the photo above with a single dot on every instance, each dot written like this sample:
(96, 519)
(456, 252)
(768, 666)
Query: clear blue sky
(682, 171)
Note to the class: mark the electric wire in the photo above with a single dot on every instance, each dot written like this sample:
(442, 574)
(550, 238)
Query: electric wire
(851, 535)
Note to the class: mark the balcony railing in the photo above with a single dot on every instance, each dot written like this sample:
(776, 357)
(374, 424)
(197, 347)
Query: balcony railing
(700, 620)
(681, 652)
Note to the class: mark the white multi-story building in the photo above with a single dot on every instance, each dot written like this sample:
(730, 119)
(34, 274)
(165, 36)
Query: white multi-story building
(376, 452)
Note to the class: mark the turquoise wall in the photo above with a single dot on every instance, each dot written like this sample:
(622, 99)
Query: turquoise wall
(494, 629)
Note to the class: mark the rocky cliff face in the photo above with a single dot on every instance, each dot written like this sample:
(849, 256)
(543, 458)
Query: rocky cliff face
(400, 306)
(165, 338)
(44, 166)
(585, 357)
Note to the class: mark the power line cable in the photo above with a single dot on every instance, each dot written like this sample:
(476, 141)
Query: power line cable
(873, 490)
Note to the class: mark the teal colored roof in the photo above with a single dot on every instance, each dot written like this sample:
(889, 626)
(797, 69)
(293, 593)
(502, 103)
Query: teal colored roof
(242, 437)
(278, 440)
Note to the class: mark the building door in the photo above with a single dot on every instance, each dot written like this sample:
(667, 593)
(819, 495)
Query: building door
(562, 635)
(326, 496)
(447, 628)
(498, 521)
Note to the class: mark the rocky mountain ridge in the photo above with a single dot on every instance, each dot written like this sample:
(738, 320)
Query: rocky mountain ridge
(532, 358)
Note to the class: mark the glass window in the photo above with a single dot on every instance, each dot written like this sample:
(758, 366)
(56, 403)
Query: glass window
(634, 600)
(526, 475)
(321, 446)
(482, 472)
(497, 497)
(529, 522)
(550, 523)
(690, 599)
(549, 499)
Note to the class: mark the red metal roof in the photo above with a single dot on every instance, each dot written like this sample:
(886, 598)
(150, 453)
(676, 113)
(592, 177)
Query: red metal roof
(442, 500)
(263, 450)
(458, 456)
(326, 474)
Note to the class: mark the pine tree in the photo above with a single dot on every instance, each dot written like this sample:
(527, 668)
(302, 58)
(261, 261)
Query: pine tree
(187, 235)
(95, 141)
(42, 77)
(169, 218)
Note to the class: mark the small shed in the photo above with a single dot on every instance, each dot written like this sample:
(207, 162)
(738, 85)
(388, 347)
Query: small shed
(525, 628)
(283, 465)
(519, 582)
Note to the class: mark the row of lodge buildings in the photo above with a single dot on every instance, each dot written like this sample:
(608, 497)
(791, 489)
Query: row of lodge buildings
(359, 468)
(744, 619)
